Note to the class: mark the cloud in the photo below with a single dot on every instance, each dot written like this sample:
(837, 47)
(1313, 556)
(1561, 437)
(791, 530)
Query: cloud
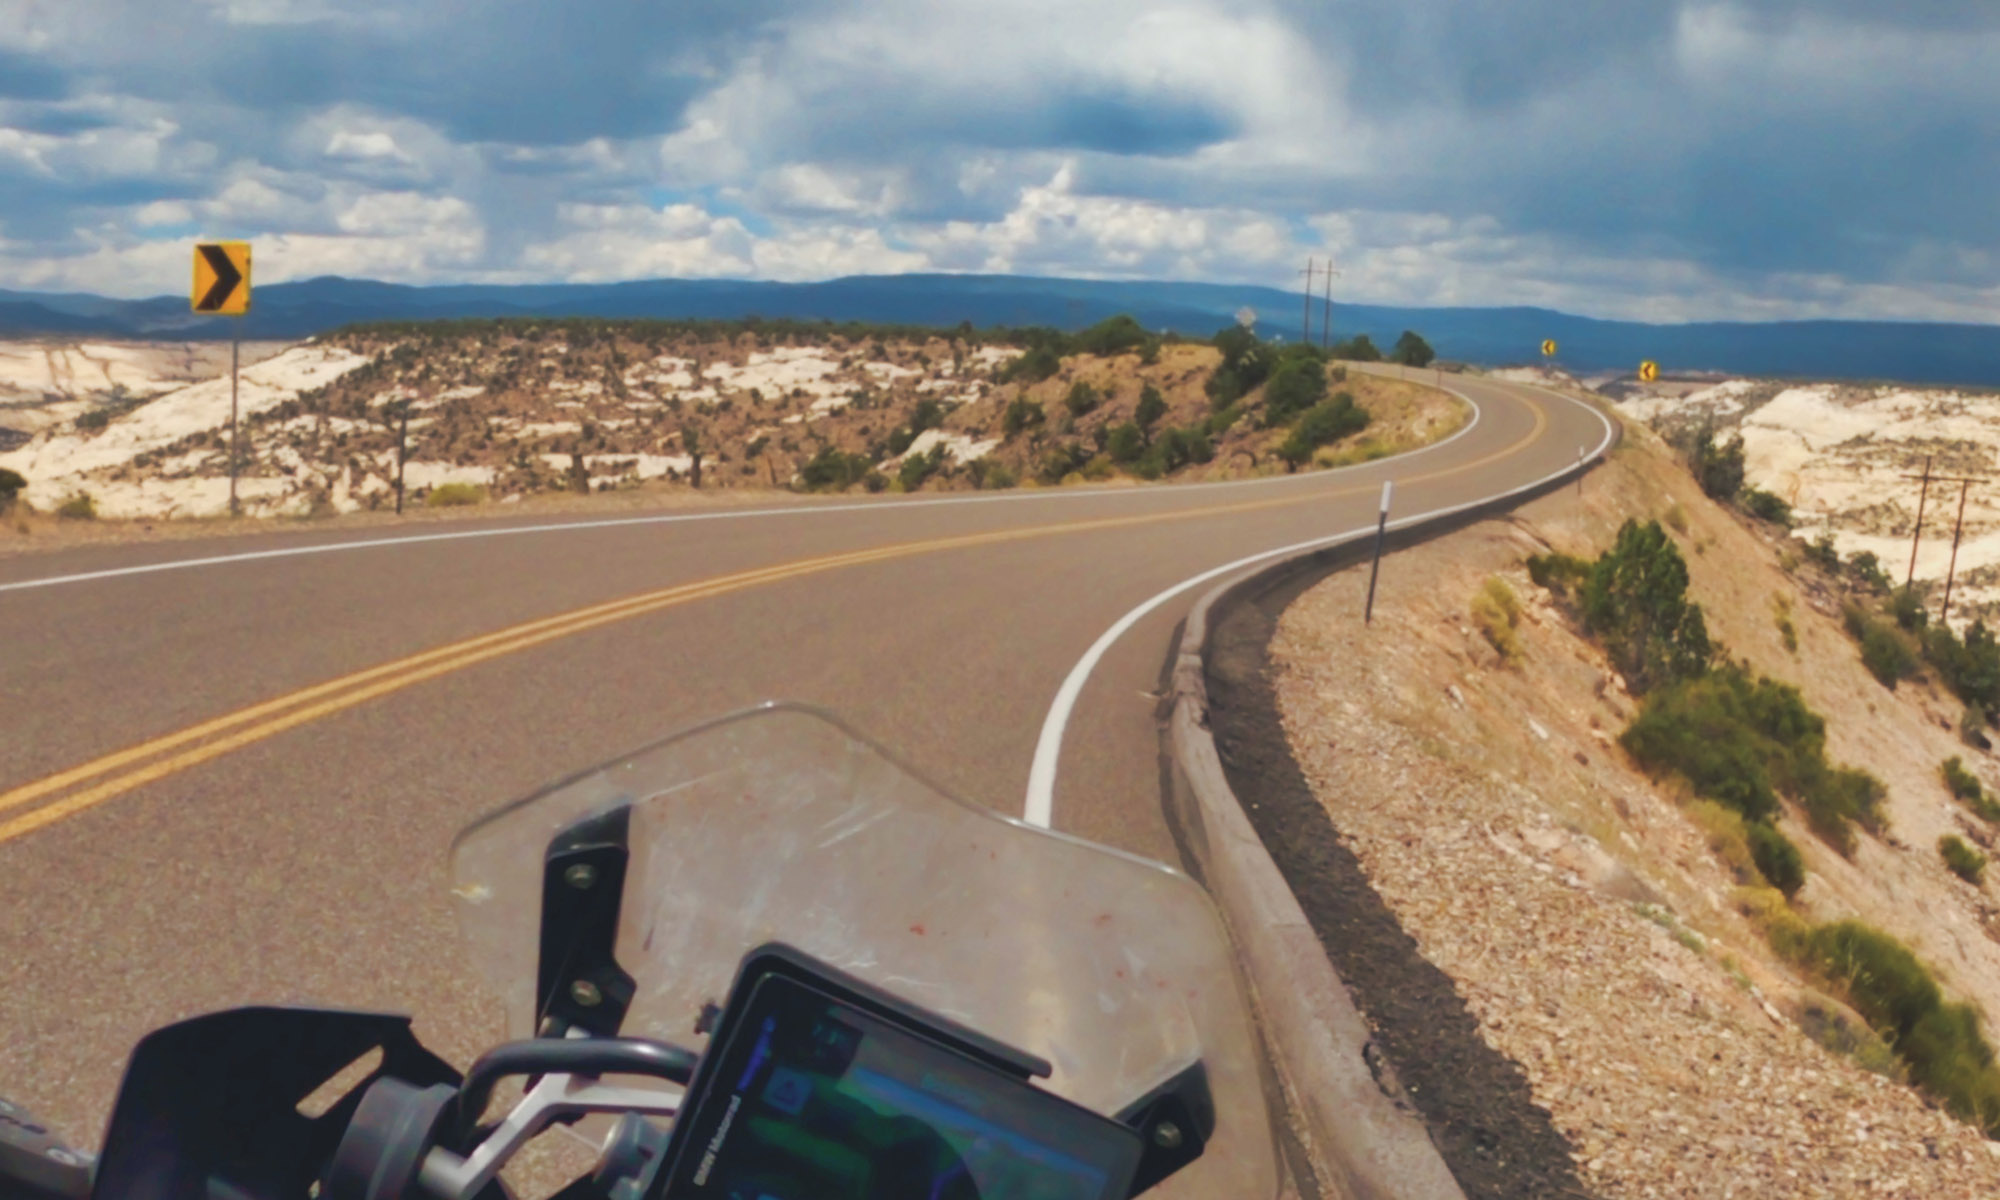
(1681, 158)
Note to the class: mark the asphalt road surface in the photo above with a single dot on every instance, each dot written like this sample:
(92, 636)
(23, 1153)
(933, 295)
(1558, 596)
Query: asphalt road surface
(297, 853)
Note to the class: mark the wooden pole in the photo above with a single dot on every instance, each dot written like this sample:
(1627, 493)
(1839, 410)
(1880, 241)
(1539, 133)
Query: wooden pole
(1956, 530)
(1917, 534)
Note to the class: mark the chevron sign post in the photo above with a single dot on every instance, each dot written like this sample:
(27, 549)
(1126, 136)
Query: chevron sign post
(222, 288)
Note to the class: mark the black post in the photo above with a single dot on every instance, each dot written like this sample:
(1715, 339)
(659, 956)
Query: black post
(1381, 535)
(235, 347)
(402, 442)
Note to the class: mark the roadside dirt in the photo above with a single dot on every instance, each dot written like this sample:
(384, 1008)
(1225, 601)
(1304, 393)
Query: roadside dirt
(1552, 957)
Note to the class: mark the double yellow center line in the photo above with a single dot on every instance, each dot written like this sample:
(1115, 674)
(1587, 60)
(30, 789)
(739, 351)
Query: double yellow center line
(147, 762)
(115, 774)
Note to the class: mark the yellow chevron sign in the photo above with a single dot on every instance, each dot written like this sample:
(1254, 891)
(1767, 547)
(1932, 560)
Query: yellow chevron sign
(1549, 348)
(1649, 371)
(221, 278)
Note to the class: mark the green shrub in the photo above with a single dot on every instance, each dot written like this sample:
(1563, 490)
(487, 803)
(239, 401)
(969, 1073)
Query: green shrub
(1908, 609)
(1970, 668)
(1558, 572)
(1039, 363)
(1359, 348)
(1635, 601)
(1412, 350)
(1972, 727)
(1246, 362)
(1743, 743)
(919, 467)
(1729, 836)
(1886, 984)
(1838, 798)
(1947, 1054)
(1866, 569)
(1496, 611)
(1082, 399)
(455, 495)
(1821, 553)
(1717, 468)
(986, 473)
(1125, 443)
(1113, 335)
(1295, 387)
(1765, 506)
(834, 470)
(1218, 422)
(1965, 862)
(1327, 421)
(1825, 1022)
(1021, 415)
(1777, 859)
(1963, 784)
(11, 485)
(1059, 460)
(1172, 450)
(1151, 407)
(79, 507)
(1702, 729)
(1887, 654)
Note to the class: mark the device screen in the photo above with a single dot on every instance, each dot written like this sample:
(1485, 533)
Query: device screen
(815, 1100)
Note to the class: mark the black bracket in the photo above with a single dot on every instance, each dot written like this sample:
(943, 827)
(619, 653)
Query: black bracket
(209, 1106)
(579, 984)
(1176, 1120)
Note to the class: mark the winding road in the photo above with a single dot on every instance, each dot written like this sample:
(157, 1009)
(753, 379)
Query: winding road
(230, 770)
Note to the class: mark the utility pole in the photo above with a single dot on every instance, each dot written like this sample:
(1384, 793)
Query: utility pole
(1964, 485)
(1306, 321)
(1917, 535)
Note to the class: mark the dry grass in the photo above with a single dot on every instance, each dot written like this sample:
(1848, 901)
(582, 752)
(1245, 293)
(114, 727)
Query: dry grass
(1496, 613)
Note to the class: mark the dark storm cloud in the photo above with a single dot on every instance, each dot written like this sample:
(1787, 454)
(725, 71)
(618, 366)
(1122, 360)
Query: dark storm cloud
(1755, 139)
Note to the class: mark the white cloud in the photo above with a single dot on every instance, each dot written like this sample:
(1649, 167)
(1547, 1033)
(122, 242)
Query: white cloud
(1696, 158)
(370, 145)
(163, 212)
(395, 214)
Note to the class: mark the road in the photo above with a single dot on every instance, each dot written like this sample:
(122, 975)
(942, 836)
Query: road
(296, 853)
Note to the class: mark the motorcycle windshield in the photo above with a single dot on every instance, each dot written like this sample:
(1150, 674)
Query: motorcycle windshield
(783, 825)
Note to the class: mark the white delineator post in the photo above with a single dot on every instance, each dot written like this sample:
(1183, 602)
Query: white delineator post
(1381, 535)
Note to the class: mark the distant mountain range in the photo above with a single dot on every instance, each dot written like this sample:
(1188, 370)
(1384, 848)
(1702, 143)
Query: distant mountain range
(1915, 352)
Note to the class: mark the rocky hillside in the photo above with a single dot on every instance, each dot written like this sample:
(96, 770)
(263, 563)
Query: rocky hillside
(1839, 455)
(1710, 982)
(505, 410)
(46, 384)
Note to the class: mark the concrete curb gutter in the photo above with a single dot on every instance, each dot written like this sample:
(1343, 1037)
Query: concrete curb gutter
(1364, 1138)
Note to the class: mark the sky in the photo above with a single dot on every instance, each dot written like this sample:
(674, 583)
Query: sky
(1640, 159)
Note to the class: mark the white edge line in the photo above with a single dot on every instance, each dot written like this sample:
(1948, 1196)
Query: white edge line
(1039, 809)
(733, 515)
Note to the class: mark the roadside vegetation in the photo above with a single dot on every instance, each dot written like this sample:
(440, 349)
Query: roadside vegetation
(1746, 746)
